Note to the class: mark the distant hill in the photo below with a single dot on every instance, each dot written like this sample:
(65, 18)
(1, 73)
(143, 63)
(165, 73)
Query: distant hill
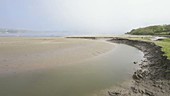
(151, 30)
(20, 32)
(3, 30)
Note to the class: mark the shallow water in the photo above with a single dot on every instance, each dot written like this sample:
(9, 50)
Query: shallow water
(81, 79)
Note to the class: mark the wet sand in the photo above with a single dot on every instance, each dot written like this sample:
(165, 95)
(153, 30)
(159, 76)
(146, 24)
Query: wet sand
(64, 66)
(32, 54)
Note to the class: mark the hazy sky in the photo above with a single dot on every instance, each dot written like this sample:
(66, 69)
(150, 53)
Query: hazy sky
(83, 16)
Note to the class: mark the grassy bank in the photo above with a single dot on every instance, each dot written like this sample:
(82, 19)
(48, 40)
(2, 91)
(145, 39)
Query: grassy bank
(165, 44)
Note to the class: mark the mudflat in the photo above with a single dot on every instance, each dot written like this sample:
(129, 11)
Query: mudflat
(21, 54)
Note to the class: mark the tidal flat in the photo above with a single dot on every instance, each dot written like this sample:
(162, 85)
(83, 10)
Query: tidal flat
(63, 67)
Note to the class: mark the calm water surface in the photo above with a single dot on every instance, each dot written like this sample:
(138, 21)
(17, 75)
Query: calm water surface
(79, 79)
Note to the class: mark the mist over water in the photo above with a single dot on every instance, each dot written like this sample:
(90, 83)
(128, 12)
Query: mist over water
(49, 34)
(33, 34)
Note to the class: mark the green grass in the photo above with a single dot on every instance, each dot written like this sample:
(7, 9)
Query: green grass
(165, 44)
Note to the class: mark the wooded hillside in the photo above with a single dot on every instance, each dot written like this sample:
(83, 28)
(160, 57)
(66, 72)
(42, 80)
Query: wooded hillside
(151, 30)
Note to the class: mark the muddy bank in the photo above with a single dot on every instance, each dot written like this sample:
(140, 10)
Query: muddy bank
(153, 76)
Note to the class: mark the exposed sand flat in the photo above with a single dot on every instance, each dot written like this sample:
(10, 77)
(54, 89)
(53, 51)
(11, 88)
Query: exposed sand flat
(28, 54)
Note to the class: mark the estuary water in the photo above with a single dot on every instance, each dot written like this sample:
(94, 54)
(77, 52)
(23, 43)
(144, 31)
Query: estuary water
(81, 79)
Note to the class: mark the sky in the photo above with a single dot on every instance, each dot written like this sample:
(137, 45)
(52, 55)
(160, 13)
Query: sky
(83, 16)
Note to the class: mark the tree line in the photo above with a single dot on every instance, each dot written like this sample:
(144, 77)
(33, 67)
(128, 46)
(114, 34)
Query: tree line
(151, 30)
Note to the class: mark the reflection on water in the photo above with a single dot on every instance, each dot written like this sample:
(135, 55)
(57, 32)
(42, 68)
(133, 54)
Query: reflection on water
(75, 80)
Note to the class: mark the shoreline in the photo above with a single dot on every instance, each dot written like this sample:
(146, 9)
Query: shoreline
(152, 78)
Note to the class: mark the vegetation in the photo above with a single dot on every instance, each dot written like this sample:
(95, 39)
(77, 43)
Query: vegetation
(155, 30)
(151, 30)
(165, 44)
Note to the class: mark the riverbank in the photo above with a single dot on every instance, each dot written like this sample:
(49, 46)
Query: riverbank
(20, 55)
(152, 78)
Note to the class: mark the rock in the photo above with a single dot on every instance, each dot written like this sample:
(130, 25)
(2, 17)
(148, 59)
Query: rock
(137, 75)
(154, 85)
(163, 91)
(135, 62)
(167, 76)
(113, 93)
(149, 93)
(141, 91)
(160, 86)
(134, 89)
